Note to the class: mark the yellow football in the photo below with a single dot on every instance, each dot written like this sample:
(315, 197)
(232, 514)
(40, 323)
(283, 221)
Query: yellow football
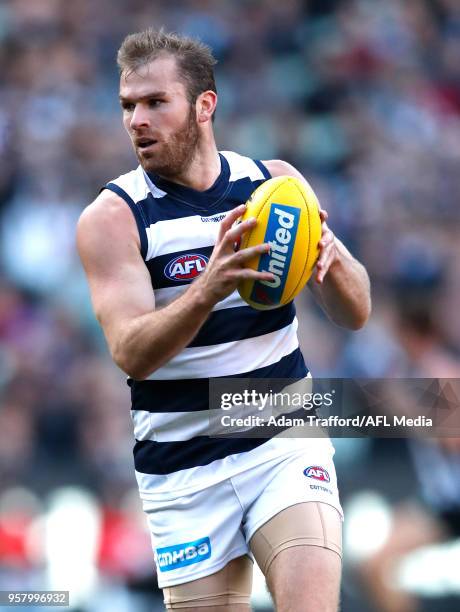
(287, 213)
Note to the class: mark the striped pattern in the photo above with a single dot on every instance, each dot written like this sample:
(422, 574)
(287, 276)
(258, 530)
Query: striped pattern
(230, 358)
(170, 409)
(163, 413)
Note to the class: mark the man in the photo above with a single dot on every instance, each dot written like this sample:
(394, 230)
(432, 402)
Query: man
(211, 503)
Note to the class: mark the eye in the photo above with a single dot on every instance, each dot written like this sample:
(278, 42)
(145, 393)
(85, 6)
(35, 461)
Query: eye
(127, 106)
(155, 102)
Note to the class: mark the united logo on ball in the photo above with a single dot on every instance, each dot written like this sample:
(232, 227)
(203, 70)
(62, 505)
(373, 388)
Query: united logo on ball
(287, 213)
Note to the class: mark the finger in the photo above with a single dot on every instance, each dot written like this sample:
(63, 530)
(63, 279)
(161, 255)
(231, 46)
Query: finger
(320, 274)
(232, 235)
(231, 239)
(241, 274)
(326, 239)
(325, 252)
(325, 259)
(230, 219)
(324, 216)
(323, 264)
(245, 255)
(325, 228)
(322, 270)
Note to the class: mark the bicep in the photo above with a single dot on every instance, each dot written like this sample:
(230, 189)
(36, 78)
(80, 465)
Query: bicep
(118, 278)
(120, 292)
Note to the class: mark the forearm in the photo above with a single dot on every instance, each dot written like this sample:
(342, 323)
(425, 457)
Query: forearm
(147, 342)
(345, 291)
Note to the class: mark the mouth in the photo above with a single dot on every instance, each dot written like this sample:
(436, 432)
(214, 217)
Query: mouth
(145, 143)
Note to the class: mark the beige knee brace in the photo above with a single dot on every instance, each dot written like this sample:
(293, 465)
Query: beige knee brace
(231, 585)
(308, 523)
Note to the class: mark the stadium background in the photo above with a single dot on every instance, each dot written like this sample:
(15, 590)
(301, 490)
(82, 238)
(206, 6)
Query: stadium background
(364, 98)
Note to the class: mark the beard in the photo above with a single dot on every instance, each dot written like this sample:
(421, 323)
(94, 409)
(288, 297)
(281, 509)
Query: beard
(171, 158)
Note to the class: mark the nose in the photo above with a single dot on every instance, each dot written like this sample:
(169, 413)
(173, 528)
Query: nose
(139, 118)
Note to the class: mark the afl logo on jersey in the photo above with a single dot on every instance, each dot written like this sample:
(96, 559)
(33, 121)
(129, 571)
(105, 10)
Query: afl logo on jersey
(317, 472)
(185, 267)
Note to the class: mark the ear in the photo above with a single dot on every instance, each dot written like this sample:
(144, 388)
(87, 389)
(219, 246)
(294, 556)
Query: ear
(205, 106)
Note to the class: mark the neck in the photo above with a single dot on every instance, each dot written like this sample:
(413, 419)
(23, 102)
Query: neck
(203, 170)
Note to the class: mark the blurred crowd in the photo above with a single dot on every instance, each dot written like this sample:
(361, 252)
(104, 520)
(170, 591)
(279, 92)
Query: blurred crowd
(361, 96)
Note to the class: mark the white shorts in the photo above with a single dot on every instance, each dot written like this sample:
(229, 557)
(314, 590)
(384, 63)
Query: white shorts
(197, 534)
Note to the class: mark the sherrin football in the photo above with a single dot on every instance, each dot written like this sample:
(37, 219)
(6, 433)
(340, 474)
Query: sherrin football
(287, 213)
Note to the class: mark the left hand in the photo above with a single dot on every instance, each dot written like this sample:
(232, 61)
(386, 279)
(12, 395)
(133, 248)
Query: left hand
(327, 249)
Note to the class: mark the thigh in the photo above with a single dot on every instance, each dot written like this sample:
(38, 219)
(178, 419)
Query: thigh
(305, 579)
(195, 535)
(228, 589)
(299, 552)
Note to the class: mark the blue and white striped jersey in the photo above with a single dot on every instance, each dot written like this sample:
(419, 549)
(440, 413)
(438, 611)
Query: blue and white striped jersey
(178, 228)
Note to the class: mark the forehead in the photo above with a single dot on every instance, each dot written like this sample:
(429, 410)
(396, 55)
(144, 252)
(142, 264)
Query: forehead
(161, 74)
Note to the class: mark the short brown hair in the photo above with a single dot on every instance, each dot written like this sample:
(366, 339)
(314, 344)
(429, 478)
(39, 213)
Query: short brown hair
(195, 60)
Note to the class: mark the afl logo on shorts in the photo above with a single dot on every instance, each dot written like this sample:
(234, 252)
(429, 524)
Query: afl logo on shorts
(185, 267)
(317, 472)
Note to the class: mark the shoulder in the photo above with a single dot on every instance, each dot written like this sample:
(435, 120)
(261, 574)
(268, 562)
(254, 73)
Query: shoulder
(278, 167)
(108, 207)
(107, 219)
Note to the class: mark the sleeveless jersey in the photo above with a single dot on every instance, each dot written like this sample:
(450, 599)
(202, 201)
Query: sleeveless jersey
(178, 228)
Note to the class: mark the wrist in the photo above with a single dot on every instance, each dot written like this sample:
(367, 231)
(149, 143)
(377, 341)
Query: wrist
(337, 259)
(331, 268)
(199, 297)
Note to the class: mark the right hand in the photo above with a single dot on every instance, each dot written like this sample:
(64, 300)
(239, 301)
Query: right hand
(225, 269)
